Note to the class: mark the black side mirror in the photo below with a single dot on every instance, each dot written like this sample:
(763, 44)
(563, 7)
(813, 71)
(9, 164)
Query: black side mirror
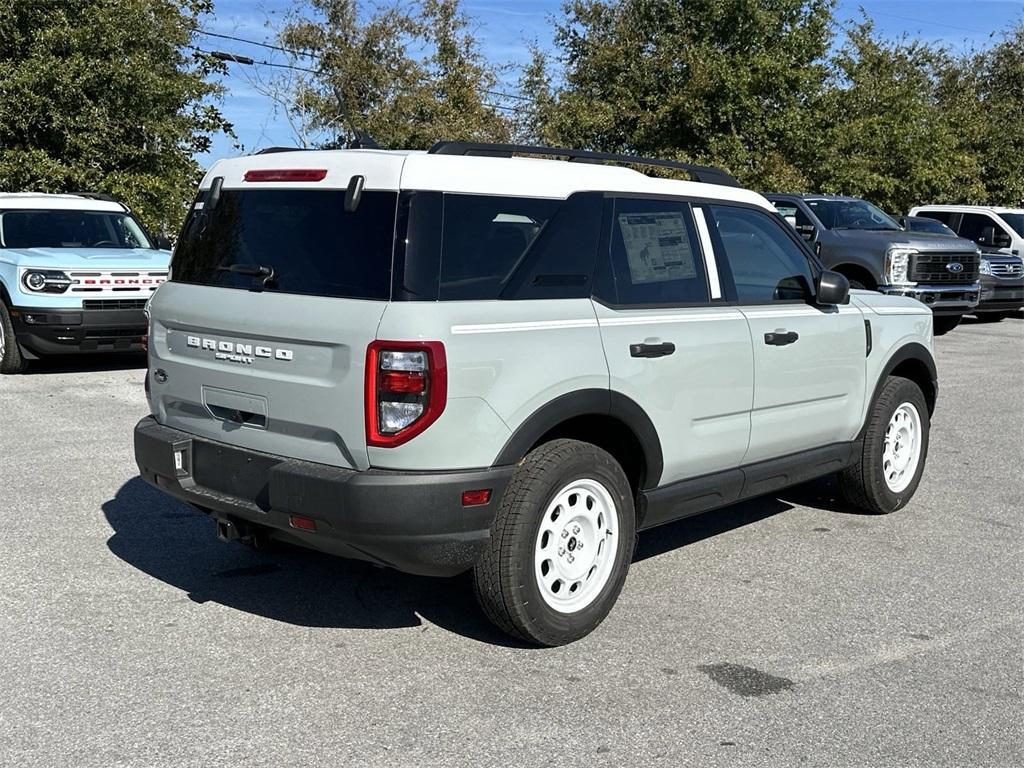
(832, 288)
(163, 242)
(807, 231)
(1002, 240)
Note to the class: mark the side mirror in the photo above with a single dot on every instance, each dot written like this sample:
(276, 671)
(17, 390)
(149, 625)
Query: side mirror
(1002, 240)
(988, 237)
(832, 288)
(807, 231)
(163, 243)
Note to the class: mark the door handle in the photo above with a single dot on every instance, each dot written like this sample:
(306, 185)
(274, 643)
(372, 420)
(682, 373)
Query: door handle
(652, 350)
(781, 337)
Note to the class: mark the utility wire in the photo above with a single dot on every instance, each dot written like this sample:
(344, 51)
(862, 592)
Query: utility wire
(309, 55)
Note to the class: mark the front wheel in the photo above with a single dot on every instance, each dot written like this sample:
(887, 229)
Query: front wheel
(888, 471)
(991, 317)
(943, 324)
(11, 359)
(560, 545)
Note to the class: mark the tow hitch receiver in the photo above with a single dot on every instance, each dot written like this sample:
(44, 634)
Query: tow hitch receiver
(227, 531)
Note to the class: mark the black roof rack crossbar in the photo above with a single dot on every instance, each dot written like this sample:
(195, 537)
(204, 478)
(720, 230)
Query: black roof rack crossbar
(702, 173)
(275, 150)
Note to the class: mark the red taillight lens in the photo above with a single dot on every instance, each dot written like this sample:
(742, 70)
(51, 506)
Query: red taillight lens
(406, 389)
(302, 523)
(287, 174)
(476, 498)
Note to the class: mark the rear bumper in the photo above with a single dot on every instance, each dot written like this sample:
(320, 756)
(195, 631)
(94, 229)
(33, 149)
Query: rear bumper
(62, 331)
(1001, 295)
(943, 299)
(411, 521)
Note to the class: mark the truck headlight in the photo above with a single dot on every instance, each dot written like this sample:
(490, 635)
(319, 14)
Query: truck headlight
(985, 267)
(897, 265)
(45, 280)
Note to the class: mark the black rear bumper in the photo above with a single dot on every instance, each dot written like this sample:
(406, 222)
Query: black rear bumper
(412, 521)
(57, 331)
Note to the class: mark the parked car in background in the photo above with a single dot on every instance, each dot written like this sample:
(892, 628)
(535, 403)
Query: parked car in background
(861, 241)
(992, 228)
(1000, 234)
(75, 274)
(924, 224)
(463, 360)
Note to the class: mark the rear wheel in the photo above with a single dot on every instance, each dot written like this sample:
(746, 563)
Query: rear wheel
(943, 324)
(560, 545)
(893, 454)
(11, 359)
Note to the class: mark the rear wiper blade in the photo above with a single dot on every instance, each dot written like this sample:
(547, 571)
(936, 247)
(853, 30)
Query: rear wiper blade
(255, 270)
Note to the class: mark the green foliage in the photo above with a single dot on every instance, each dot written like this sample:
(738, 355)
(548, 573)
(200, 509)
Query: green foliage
(101, 96)
(405, 75)
(730, 82)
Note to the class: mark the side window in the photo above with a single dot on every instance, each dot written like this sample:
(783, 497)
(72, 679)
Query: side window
(484, 239)
(560, 262)
(973, 224)
(766, 264)
(944, 216)
(654, 255)
(792, 213)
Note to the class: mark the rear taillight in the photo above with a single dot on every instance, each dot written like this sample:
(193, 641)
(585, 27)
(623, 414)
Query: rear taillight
(406, 389)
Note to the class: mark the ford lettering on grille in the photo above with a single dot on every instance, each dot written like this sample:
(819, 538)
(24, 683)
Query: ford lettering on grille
(238, 352)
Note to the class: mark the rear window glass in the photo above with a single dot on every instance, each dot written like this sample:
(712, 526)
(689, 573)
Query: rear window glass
(292, 241)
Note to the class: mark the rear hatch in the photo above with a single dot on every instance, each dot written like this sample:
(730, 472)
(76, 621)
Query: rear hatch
(259, 338)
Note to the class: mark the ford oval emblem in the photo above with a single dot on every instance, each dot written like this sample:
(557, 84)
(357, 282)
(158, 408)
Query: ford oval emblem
(955, 266)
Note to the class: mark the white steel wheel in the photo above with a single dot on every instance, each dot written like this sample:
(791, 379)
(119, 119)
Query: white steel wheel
(901, 450)
(576, 546)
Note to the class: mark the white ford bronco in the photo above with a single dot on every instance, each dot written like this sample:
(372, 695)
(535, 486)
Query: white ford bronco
(474, 359)
(76, 272)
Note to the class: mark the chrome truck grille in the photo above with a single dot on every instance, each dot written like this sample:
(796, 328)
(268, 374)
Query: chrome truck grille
(944, 268)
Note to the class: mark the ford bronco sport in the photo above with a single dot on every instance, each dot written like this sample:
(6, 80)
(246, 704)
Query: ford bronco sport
(856, 238)
(75, 274)
(471, 359)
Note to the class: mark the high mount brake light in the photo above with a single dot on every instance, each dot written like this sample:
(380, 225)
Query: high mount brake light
(406, 389)
(287, 174)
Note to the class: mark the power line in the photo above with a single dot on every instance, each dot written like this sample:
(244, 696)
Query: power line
(309, 55)
(932, 23)
(239, 59)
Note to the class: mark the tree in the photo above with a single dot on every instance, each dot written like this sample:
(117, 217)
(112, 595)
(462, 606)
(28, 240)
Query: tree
(727, 82)
(1001, 101)
(887, 138)
(104, 96)
(408, 77)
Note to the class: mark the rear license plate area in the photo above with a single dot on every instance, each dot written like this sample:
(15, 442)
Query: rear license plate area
(234, 472)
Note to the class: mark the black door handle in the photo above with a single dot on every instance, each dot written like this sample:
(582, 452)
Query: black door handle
(781, 338)
(652, 350)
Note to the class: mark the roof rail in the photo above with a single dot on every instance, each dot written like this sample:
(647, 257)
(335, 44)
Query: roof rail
(275, 150)
(701, 173)
(100, 196)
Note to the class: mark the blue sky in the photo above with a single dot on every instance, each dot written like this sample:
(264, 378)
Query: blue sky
(506, 26)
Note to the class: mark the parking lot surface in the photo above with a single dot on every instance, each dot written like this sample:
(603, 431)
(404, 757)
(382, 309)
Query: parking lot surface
(783, 631)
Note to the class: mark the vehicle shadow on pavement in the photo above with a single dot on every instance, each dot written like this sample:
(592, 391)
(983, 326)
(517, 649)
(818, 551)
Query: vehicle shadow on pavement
(176, 544)
(87, 363)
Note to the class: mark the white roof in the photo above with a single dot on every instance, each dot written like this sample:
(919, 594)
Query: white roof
(992, 208)
(40, 200)
(514, 176)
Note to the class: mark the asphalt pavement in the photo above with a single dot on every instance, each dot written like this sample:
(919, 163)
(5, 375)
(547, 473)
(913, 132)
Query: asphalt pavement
(785, 631)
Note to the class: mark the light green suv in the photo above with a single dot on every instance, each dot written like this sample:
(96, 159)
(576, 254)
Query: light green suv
(489, 358)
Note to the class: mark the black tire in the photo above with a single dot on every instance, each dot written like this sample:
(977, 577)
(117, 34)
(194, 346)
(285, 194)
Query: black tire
(11, 359)
(856, 284)
(991, 317)
(943, 324)
(863, 483)
(505, 578)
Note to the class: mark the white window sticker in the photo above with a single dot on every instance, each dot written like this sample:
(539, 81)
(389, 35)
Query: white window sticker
(657, 247)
